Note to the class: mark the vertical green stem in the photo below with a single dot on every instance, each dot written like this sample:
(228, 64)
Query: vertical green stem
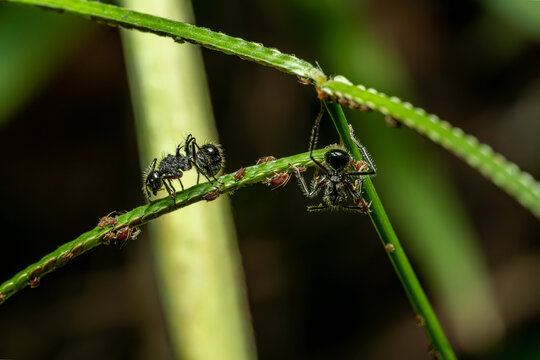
(196, 257)
(425, 314)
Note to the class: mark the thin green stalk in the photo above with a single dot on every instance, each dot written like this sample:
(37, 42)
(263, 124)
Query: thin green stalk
(503, 173)
(425, 314)
(181, 32)
(143, 214)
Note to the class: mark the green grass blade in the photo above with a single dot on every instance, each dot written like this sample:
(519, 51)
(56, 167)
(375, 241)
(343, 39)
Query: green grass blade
(503, 173)
(425, 314)
(32, 274)
(507, 175)
(180, 32)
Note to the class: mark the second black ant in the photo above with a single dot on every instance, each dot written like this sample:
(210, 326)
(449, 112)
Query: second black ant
(338, 184)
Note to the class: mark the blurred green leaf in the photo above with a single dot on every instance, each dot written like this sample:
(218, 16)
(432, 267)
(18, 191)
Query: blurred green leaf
(34, 45)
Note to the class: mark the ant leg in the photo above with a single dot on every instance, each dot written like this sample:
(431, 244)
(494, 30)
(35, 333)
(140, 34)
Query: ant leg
(365, 155)
(171, 193)
(315, 136)
(317, 185)
(148, 195)
(359, 208)
(151, 169)
(318, 208)
(178, 148)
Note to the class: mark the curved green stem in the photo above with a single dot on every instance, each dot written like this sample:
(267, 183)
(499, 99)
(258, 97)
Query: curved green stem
(425, 315)
(143, 214)
(503, 173)
(181, 32)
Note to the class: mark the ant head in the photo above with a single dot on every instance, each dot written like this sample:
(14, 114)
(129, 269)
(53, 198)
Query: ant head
(337, 159)
(153, 181)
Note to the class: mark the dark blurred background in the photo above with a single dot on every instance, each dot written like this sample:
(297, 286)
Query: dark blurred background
(320, 285)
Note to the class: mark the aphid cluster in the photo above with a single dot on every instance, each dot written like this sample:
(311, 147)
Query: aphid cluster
(206, 159)
(342, 188)
(122, 235)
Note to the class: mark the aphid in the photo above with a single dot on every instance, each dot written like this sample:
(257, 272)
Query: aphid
(107, 220)
(207, 160)
(338, 184)
(366, 207)
(420, 320)
(240, 174)
(108, 237)
(390, 247)
(212, 195)
(278, 180)
(392, 121)
(126, 233)
(303, 80)
(321, 94)
(2, 297)
(265, 160)
(34, 282)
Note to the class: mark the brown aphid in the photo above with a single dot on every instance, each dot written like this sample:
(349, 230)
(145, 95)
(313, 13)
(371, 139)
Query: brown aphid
(126, 233)
(107, 220)
(123, 234)
(420, 320)
(366, 207)
(67, 255)
(108, 237)
(265, 160)
(212, 195)
(2, 297)
(277, 180)
(390, 247)
(36, 273)
(240, 174)
(303, 80)
(365, 108)
(392, 121)
(34, 282)
(321, 94)
(358, 165)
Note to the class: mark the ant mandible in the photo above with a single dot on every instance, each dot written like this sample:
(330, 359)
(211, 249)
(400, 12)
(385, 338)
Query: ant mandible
(207, 160)
(338, 185)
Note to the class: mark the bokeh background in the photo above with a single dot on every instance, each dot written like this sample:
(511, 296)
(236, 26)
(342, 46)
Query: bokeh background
(320, 286)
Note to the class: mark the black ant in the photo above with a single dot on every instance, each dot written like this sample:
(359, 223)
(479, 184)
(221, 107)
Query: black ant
(207, 160)
(338, 183)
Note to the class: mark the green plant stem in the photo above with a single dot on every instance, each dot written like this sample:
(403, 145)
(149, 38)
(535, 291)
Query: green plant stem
(425, 314)
(503, 173)
(32, 274)
(181, 32)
